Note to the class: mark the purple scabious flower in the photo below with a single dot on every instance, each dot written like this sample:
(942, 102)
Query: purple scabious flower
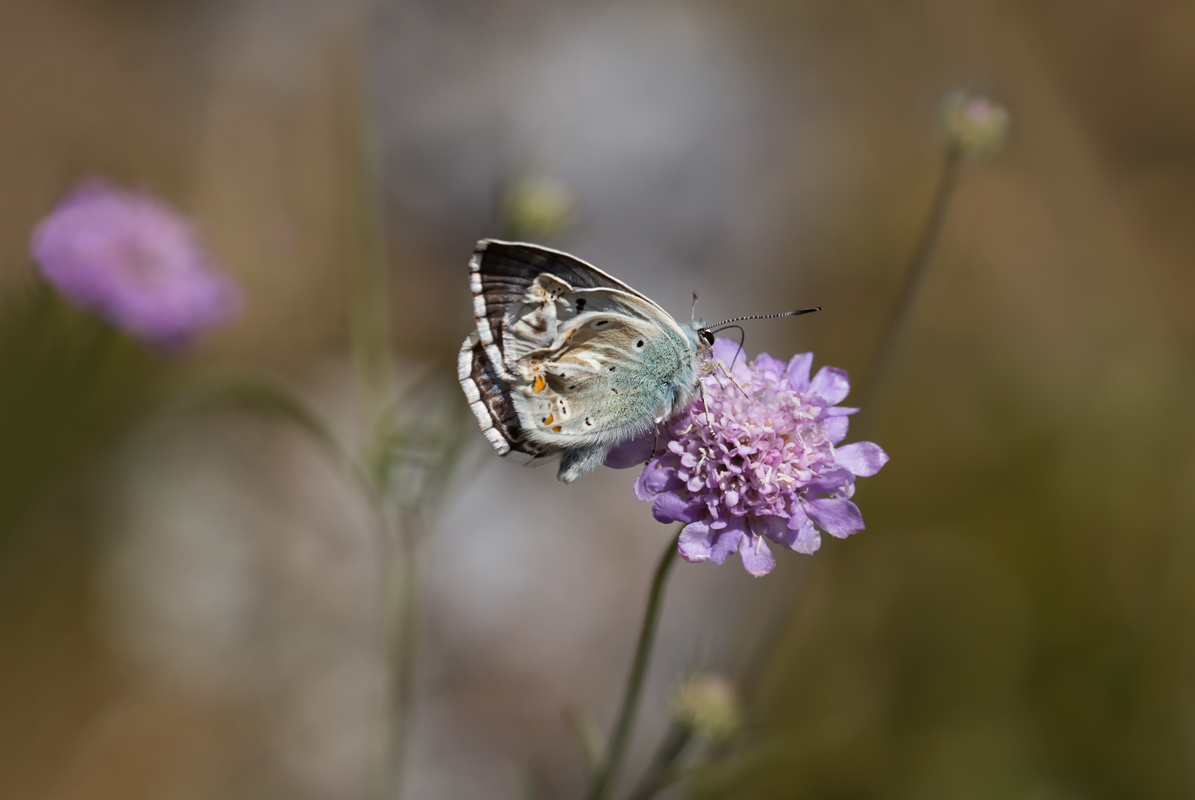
(135, 261)
(772, 468)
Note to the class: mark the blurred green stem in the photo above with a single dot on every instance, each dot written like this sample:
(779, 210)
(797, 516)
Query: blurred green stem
(400, 624)
(369, 319)
(369, 290)
(607, 772)
(898, 319)
(662, 771)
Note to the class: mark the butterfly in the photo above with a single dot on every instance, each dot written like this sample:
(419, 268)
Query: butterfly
(568, 362)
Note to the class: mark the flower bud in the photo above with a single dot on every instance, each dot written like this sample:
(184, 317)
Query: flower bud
(536, 207)
(973, 123)
(708, 705)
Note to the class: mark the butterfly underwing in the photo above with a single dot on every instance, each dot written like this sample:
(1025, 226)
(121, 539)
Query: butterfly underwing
(566, 361)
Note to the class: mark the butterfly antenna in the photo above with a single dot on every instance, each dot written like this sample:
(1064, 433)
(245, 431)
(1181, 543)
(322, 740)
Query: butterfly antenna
(797, 313)
(693, 312)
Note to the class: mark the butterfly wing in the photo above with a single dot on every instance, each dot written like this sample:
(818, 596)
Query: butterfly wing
(492, 403)
(566, 359)
(502, 273)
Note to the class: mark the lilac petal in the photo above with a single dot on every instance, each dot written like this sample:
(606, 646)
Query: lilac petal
(836, 428)
(861, 458)
(773, 527)
(798, 370)
(700, 542)
(670, 508)
(631, 453)
(757, 556)
(801, 536)
(651, 481)
(831, 384)
(805, 540)
(839, 518)
(839, 411)
(725, 349)
(764, 362)
(832, 481)
(798, 518)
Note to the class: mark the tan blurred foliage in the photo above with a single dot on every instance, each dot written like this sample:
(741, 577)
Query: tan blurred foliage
(1016, 620)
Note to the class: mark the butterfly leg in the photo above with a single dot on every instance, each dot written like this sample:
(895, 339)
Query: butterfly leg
(705, 404)
(732, 380)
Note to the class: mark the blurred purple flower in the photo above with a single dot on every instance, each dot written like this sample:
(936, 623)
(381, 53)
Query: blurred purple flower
(135, 261)
(772, 469)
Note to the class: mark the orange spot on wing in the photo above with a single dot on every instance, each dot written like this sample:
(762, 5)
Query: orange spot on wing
(538, 384)
(556, 428)
(548, 419)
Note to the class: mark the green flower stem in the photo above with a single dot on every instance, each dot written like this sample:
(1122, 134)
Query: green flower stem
(400, 627)
(662, 771)
(914, 276)
(607, 772)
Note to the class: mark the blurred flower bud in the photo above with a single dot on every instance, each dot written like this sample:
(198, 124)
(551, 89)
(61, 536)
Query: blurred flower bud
(536, 207)
(974, 124)
(708, 705)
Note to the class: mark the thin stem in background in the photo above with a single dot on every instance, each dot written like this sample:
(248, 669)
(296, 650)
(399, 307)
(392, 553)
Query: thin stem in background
(662, 772)
(898, 321)
(401, 622)
(369, 327)
(607, 773)
(369, 284)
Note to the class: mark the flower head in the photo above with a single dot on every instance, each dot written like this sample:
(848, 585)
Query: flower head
(764, 465)
(136, 262)
(973, 123)
(537, 207)
(707, 705)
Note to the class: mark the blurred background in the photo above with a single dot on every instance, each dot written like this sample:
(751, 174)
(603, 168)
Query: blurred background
(189, 601)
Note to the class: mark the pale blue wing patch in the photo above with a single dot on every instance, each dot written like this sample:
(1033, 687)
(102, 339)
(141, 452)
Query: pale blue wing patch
(612, 378)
